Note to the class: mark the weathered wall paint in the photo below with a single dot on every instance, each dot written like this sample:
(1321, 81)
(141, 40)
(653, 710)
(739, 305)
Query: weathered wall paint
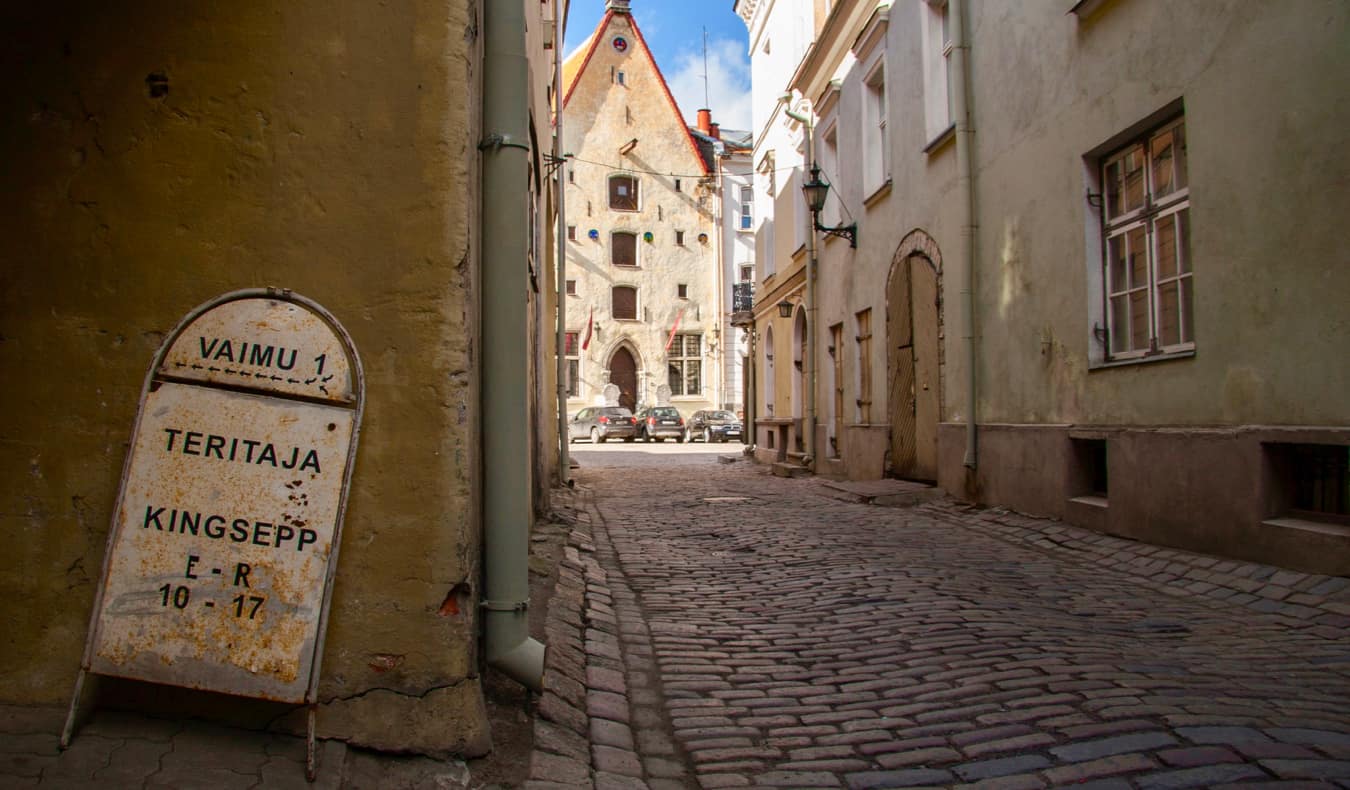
(1266, 176)
(155, 155)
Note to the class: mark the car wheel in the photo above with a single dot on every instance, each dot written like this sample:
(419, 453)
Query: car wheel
(688, 437)
(595, 436)
(707, 436)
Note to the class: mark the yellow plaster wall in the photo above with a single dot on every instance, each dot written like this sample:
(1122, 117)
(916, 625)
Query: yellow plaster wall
(326, 147)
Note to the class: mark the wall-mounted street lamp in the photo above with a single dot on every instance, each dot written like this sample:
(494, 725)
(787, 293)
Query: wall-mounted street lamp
(785, 309)
(815, 192)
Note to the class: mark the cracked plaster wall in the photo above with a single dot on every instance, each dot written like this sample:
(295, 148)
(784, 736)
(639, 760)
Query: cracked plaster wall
(157, 154)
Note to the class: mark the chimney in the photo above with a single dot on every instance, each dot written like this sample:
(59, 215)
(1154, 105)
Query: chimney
(617, 6)
(716, 131)
(705, 121)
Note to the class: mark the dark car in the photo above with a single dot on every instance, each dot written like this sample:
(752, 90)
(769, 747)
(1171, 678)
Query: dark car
(600, 423)
(660, 423)
(713, 425)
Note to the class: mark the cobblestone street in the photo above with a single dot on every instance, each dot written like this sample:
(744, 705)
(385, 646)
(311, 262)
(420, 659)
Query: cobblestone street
(715, 626)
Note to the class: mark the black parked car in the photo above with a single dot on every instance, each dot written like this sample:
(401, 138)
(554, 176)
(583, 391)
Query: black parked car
(713, 425)
(600, 423)
(660, 423)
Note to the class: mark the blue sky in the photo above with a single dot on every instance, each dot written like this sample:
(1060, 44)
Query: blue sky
(673, 30)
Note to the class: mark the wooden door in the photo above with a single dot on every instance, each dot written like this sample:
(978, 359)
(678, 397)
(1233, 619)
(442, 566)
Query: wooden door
(900, 368)
(623, 374)
(912, 367)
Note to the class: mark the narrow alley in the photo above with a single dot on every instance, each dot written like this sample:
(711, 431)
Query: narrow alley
(716, 626)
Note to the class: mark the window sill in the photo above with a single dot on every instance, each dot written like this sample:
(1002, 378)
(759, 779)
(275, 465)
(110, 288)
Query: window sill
(1322, 527)
(938, 143)
(877, 194)
(1122, 363)
(798, 253)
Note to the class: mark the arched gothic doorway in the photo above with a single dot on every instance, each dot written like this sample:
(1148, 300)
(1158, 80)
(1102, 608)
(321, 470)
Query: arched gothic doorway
(912, 328)
(623, 374)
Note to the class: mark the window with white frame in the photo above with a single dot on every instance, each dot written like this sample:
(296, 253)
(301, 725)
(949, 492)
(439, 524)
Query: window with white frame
(747, 207)
(623, 192)
(572, 353)
(747, 272)
(937, 55)
(1146, 232)
(829, 168)
(876, 158)
(685, 365)
(764, 239)
(801, 217)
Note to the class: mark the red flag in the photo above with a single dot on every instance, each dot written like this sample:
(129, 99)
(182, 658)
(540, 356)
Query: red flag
(590, 324)
(673, 329)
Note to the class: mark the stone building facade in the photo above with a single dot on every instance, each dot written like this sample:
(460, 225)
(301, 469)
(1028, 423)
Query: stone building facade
(1069, 296)
(642, 303)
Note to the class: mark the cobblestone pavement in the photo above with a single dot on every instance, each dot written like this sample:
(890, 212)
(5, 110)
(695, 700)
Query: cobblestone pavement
(719, 627)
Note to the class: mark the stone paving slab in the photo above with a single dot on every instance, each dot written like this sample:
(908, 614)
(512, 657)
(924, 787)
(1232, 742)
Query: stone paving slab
(773, 633)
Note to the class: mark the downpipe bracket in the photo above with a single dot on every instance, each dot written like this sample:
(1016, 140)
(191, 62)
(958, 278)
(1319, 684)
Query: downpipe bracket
(505, 606)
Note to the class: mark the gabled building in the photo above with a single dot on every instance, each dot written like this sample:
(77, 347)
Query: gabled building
(642, 300)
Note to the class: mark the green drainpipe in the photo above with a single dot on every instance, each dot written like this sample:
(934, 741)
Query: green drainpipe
(505, 355)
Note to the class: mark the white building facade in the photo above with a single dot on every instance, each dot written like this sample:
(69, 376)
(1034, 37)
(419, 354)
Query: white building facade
(642, 302)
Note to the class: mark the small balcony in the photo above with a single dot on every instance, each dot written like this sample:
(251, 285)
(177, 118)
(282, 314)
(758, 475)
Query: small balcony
(742, 304)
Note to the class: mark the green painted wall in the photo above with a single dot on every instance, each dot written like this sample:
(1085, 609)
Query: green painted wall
(326, 147)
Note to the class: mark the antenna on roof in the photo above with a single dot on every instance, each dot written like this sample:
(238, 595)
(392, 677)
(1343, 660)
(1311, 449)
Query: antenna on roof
(705, 66)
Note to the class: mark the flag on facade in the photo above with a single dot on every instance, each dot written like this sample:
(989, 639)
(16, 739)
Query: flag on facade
(674, 329)
(590, 324)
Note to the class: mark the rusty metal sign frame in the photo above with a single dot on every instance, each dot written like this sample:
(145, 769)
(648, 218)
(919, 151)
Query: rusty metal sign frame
(157, 376)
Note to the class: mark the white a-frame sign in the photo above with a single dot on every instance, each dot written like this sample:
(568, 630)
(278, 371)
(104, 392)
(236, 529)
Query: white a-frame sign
(225, 536)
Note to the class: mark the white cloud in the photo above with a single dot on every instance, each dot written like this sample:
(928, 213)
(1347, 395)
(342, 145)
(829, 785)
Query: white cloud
(728, 93)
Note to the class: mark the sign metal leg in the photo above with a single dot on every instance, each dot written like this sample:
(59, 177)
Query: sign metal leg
(69, 729)
(311, 763)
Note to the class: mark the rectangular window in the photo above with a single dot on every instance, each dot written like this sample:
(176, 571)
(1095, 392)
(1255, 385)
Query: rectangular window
(829, 164)
(571, 232)
(864, 344)
(937, 53)
(685, 365)
(620, 78)
(1146, 234)
(572, 352)
(623, 193)
(876, 157)
(747, 273)
(623, 299)
(679, 237)
(571, 287)
(623, 248)
(682, 291)
(677, 185)
(747, 207)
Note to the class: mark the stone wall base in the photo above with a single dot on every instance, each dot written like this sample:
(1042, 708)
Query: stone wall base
(1225, 491)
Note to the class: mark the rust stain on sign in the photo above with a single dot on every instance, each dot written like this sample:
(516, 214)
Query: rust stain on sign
(227, 525)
